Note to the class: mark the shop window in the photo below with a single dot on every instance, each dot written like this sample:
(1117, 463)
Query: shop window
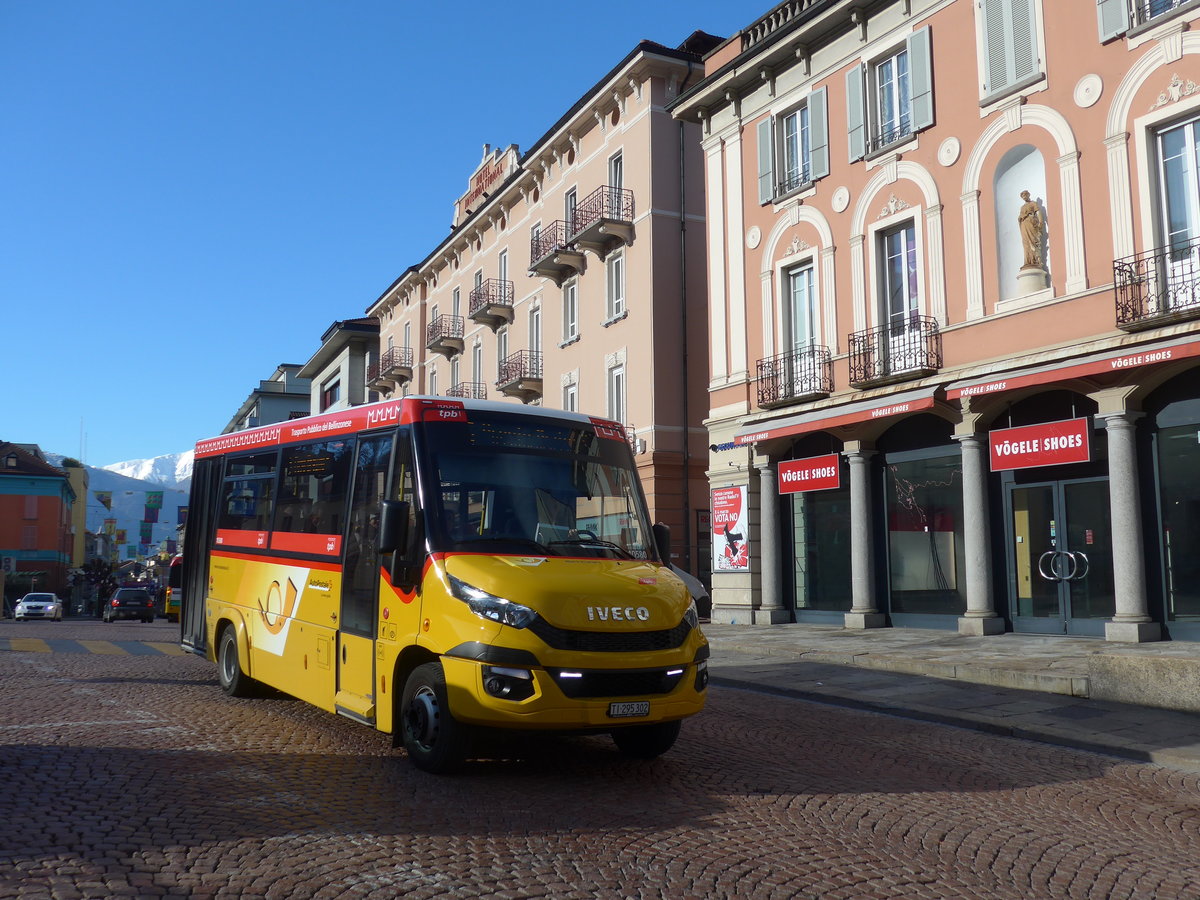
(925, 534)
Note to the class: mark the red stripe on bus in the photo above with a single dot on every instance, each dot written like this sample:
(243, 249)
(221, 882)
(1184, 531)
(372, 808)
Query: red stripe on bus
(296, 542)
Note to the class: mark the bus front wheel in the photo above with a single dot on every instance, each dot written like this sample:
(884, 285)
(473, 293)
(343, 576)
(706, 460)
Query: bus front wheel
(234, 681)
(646, 741)
(436, 742)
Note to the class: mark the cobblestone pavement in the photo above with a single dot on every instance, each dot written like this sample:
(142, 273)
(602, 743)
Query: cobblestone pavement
(132, 775)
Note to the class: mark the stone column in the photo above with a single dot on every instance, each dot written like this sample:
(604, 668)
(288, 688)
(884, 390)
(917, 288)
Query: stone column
(1132, 622)
(863, 613)
(980, 617)
(770, 607)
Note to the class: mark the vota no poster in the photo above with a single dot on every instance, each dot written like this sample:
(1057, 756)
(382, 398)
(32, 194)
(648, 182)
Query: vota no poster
(730, 529)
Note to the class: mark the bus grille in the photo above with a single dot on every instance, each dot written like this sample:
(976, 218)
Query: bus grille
(611, 641)
(626, 683)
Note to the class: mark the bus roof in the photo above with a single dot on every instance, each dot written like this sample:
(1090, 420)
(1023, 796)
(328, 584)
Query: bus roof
(403, 411)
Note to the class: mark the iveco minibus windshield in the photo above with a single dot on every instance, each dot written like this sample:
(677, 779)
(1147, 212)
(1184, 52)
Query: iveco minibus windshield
(547, 487)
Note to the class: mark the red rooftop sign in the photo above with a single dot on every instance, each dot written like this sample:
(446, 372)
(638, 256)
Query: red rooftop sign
(1048, 444)
(817, 473)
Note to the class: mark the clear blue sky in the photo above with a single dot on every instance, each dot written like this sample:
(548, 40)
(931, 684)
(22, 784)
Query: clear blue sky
(192, 191)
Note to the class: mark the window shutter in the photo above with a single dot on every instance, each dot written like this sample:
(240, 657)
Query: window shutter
(818, 134)
(766, 155)
(1010, 43)
(1113, 16)
(1024, 40)
(920, 67)
(995, 46)
(856, 113)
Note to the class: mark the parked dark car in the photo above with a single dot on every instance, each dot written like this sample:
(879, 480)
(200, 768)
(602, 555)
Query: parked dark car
(129, 603)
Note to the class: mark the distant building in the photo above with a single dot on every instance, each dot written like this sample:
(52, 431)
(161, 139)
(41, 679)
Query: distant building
(573, 277)
(36, 501)
(77, 474)
(283, 396)
(337, 371)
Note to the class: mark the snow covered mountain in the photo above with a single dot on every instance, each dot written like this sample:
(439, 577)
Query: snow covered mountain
(174, 470)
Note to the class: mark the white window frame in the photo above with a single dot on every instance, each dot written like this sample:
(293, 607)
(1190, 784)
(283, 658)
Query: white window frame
(1009, 38)
(571, 397)
(477, 361)
(618, 392)
(616, 170)
(501, 347)
(456, 302)
(614, 268)
(873, 113)
(535, 328)
(570, 297)
(502, 266)
(785, 167)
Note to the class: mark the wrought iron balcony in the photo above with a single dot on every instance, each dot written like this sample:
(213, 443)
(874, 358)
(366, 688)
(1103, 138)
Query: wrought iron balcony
(472, 390)
(393, 370)
(521, 375)
(551, 254)
(444, 335)
(604, 220)
(803, 374)
(491, 303)
(1145, 10)
(792, 181)
(908, 347)
(885, 138)
(1158, 287)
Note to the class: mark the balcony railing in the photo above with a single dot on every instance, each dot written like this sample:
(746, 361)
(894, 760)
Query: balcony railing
(394, 368)
(604, 220)
(472, 390)
(889, 136)
(908, 347)
(521, 375)
(1142, 11)
(444, 335)
(794, 376)
(1158, 286)
(792, 181)
(491, 303)
(551, 254)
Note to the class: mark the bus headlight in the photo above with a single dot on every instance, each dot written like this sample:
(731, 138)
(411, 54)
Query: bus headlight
(489, 606)
(692, 616)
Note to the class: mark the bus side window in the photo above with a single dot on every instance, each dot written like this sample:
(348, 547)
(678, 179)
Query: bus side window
(249, 482)
(315, 487)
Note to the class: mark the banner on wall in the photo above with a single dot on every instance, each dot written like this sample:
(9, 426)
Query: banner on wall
(147, 530)
(151, 514)
(121, 536)
(181, 515)
(730, 529)
(154, 499)
(104, 498)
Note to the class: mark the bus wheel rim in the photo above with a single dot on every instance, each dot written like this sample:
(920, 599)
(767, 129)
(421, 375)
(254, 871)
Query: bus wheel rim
(423, 715)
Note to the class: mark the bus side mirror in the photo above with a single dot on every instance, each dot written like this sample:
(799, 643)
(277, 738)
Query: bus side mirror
(393, 526)
(662, 540)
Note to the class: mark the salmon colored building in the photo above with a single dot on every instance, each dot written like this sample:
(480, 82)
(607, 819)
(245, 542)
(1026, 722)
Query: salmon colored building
(573, 277)
(954, 288)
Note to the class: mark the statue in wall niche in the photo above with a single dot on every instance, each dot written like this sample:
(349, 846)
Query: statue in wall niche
(1033, 225)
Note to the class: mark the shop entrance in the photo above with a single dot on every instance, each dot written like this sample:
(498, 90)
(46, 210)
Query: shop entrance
(1060, 556)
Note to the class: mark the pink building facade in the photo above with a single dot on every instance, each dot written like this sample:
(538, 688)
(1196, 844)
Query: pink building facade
(574, 277)
(954, 288)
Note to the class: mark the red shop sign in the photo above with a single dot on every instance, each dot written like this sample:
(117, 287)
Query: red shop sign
(817, 473)
(1049, 444)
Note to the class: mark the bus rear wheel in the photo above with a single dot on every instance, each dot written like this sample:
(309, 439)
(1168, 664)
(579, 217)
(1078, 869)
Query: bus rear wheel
(436, 742)
(233, 680)
(646, 741)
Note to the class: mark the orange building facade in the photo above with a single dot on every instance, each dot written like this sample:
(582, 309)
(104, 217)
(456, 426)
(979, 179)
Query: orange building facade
(574, 277)
(954, 288)
(36, 539)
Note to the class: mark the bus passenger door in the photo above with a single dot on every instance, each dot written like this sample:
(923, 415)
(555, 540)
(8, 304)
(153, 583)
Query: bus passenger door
(360, 582)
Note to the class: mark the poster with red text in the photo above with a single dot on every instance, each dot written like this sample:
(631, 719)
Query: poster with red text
(730, 530)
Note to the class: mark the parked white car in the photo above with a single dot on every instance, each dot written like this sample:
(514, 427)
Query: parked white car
(39, 606)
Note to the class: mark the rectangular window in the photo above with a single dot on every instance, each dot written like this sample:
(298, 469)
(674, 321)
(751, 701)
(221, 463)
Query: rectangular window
(925, 535)
(616, 393)
(801, 313)
(571, 397)
(246, 504)
(615, 267)
(331, 392)
(570, 311)
(477, 362)
(501, 348)
(456, 302)
(1010, 53)
(29, 537)
(408, 334)
(31, 505)
(899, 295)
(433, 380)
(891, 98)
(569, 204)
(311, 509)
(502, 267)
(616, 172)
(455, 381)
(535, 329)
(793, 148)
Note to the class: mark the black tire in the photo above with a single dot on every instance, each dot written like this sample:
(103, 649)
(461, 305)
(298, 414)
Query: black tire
(436, 742)
(647, 741)
(145, 621)
(233, 680)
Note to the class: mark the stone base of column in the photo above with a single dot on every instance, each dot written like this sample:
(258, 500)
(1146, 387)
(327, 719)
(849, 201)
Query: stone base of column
(980, 626)
(772, 616)
(865, 620)
(1132, 632)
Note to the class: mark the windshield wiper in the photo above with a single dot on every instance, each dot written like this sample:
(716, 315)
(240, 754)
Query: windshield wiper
(595, 542)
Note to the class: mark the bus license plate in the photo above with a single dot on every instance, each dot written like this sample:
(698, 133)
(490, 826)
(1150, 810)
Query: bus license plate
(629, 710)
